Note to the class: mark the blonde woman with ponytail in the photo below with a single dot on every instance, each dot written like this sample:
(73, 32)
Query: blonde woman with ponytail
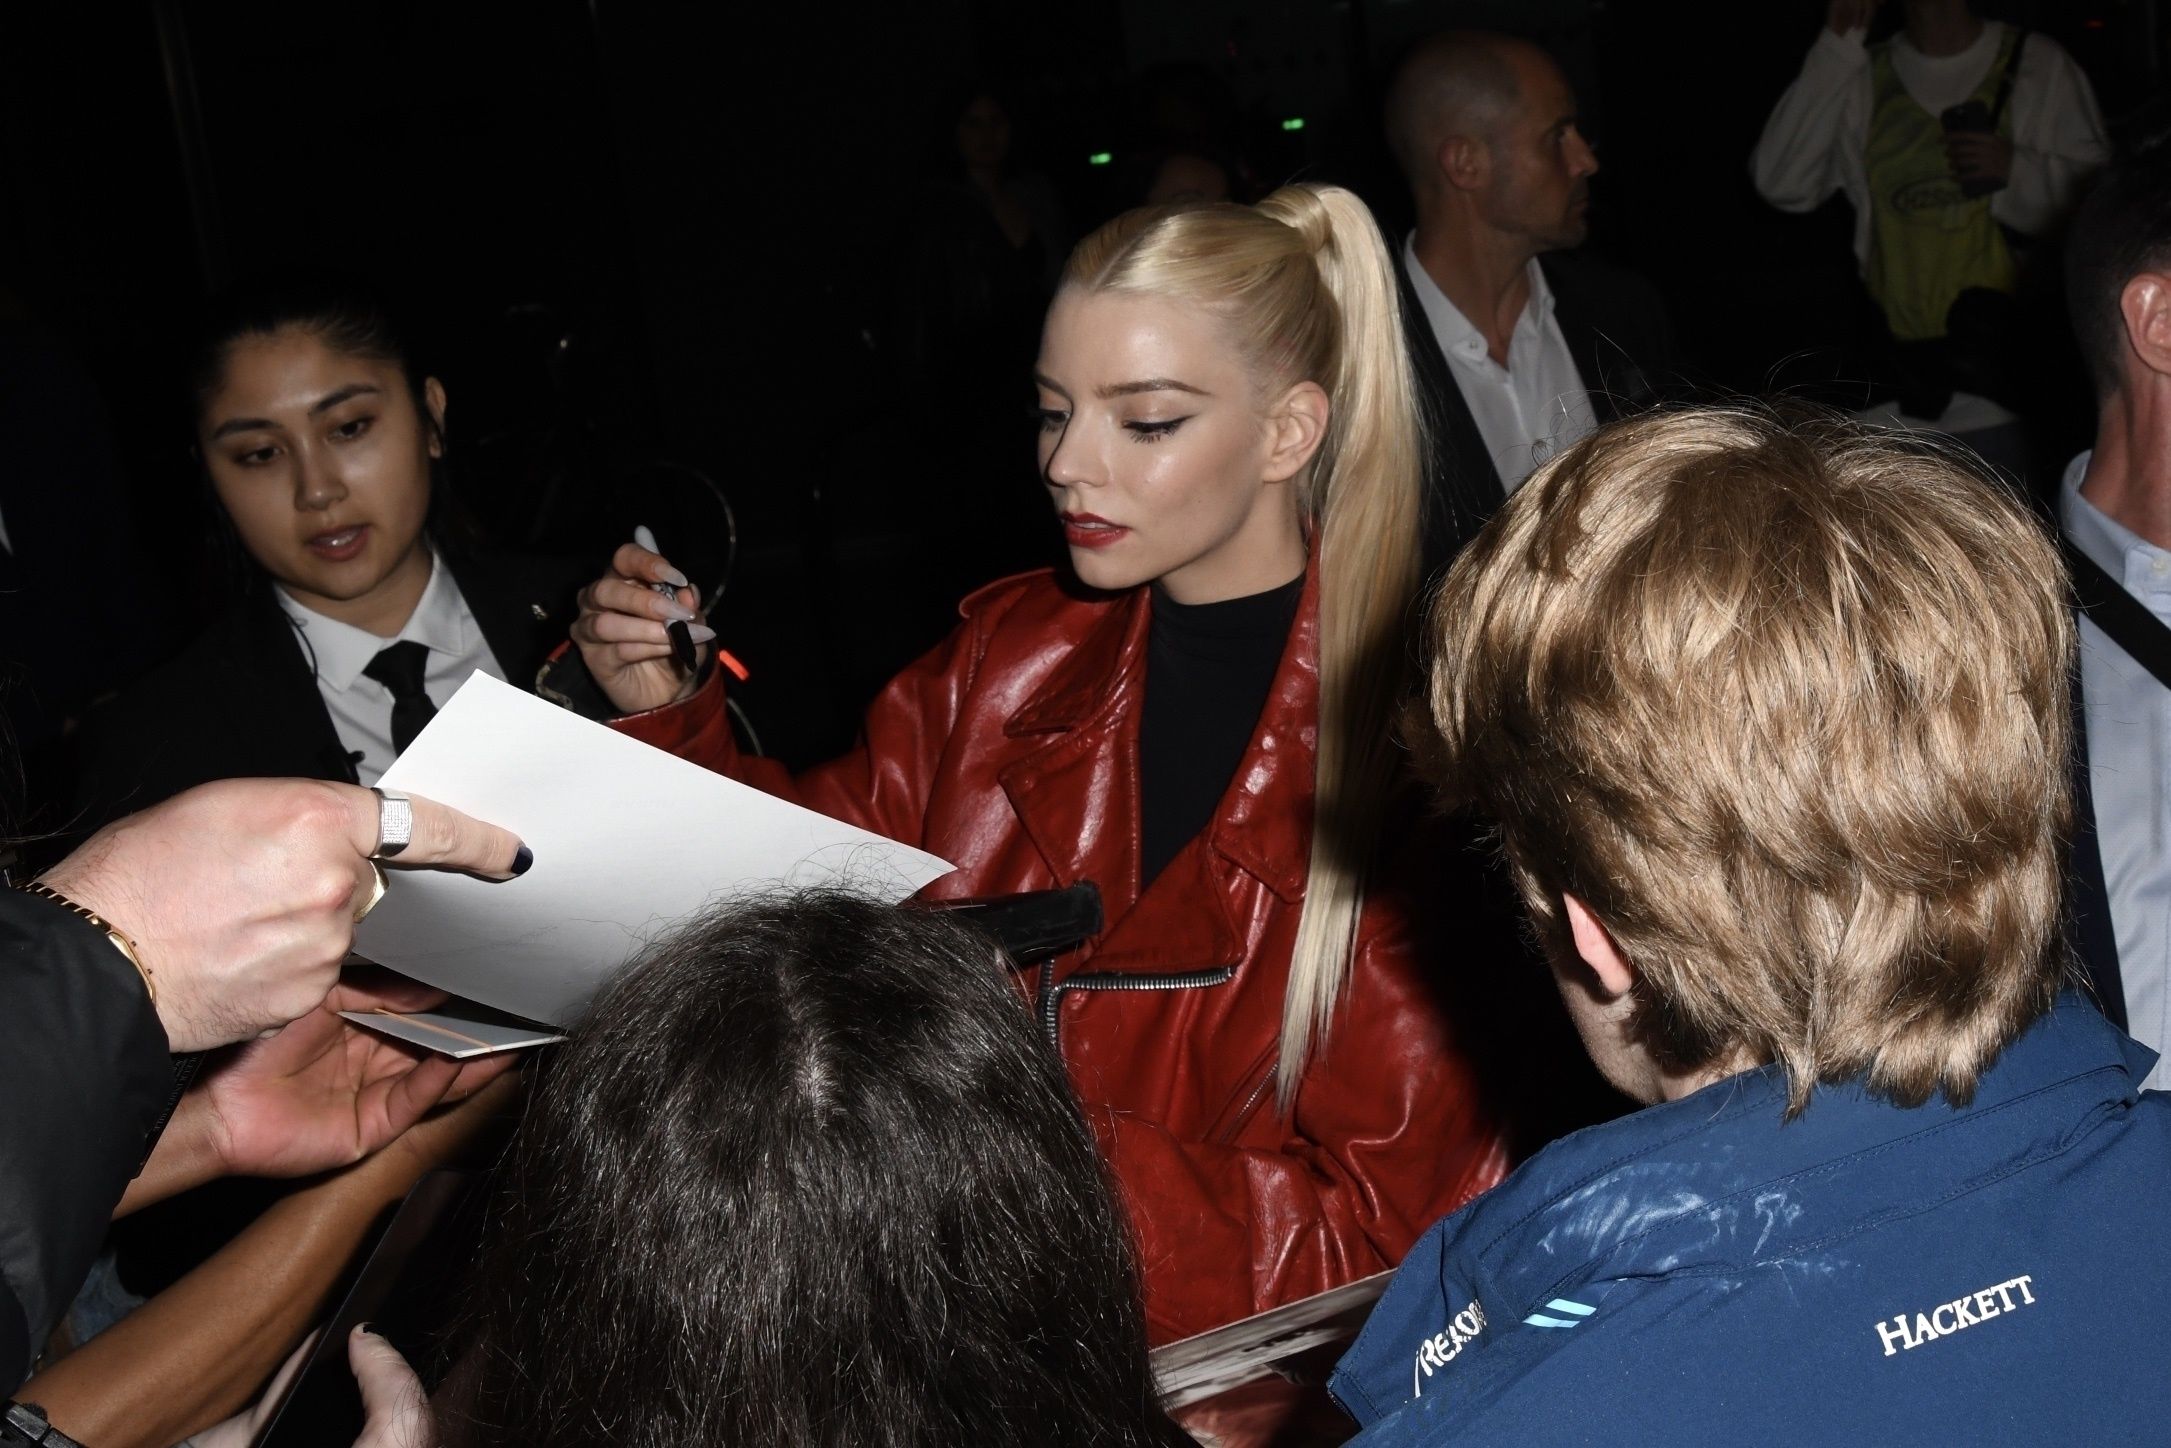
(1197, 721)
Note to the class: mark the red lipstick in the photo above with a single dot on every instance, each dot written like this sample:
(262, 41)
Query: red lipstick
(1087, 530)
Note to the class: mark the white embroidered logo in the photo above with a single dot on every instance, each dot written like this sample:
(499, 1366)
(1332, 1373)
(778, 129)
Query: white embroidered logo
(1444, 1346)
(1903, 1334)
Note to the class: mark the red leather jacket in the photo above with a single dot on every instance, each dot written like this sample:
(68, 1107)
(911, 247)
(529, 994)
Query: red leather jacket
(1012, 749)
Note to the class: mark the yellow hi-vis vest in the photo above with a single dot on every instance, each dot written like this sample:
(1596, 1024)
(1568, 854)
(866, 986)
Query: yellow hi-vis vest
(1927, 241)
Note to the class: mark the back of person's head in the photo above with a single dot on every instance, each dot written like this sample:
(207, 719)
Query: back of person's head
(1459, 82)
(1304, 289)
(808, 1175)
(2121, 232)
(1784, 703)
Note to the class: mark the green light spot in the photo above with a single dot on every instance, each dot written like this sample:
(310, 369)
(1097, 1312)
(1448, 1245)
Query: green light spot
(1294, 123)
(1100, 158)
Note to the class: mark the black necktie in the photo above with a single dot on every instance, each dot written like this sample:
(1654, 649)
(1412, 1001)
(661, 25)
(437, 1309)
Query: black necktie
(400, 669)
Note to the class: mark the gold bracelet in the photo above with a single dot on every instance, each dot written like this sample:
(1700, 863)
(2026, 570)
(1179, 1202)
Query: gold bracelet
(121, 942)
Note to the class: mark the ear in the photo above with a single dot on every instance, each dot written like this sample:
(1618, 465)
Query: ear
(1595, 944)
(1466, 162)
(2145, 304)
(1296, 427)
(433, 396)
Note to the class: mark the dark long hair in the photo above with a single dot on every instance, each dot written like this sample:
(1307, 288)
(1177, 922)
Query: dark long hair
(353, 317)
(808, 1175)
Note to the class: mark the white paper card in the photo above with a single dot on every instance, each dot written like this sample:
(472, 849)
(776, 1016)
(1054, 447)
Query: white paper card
(628, 840)
(1195, 1368)
(459, 1029)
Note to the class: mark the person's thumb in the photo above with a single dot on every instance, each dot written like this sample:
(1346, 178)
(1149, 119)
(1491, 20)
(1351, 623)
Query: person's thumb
(397, 1412)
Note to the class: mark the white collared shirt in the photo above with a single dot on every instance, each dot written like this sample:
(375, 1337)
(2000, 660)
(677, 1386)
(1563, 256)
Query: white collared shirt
(361, 708)
(1528, 410)
(2128, 718)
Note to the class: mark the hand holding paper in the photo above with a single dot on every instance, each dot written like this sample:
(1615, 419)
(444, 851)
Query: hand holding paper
(628, 841)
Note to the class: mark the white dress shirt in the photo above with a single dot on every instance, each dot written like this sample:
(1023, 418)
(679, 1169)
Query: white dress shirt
(1528, 410)
(2128, 718)
(361, 708)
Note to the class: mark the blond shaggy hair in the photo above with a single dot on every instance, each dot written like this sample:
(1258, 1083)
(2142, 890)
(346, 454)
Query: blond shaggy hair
(1785, 703)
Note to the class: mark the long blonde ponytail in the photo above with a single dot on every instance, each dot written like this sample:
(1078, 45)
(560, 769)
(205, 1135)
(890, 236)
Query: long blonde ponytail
(1308, 286)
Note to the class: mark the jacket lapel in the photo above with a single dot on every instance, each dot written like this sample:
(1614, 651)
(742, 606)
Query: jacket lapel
(1600, 332)
(1190, 917)
(521, 618)
(1462, 487)
(1571, 311)
(1076, 798)
(271, 684)
(1264, 823)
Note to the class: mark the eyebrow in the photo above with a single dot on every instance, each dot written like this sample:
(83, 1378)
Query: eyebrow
(1150, 384)
(321, 406)
(1127, 389)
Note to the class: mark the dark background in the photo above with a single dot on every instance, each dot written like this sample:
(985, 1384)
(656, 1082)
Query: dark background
(658, 237)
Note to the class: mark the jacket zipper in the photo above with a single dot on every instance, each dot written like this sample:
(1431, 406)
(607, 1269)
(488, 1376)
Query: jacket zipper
(1251, 1104)
(1051, 994)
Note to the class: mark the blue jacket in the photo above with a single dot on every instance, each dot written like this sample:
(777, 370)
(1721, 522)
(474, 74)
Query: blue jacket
(1707, 1272)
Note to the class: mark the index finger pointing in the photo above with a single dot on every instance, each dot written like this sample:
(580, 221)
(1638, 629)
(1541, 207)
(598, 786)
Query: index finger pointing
(448, 839)
(445, 838)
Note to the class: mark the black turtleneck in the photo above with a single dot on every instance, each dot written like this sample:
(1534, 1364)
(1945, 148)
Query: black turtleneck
(1209, 667)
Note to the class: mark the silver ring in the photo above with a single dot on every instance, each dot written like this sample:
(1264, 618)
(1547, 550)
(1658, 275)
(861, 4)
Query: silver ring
(395, 823)
(377, 886)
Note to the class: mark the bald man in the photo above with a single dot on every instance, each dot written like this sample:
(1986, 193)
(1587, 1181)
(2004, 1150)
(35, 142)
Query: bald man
(1519, 356)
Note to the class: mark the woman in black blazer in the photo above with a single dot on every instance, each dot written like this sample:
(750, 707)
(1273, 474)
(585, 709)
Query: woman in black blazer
(322, 440)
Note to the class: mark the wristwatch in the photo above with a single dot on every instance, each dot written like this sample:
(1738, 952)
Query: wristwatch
(26, 1423)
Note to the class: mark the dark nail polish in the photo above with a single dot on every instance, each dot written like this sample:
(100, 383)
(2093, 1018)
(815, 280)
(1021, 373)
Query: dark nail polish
(521, 861)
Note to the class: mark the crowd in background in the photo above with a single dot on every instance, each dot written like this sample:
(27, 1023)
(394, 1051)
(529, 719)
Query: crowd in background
(1285, 1087)
(588, 309)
